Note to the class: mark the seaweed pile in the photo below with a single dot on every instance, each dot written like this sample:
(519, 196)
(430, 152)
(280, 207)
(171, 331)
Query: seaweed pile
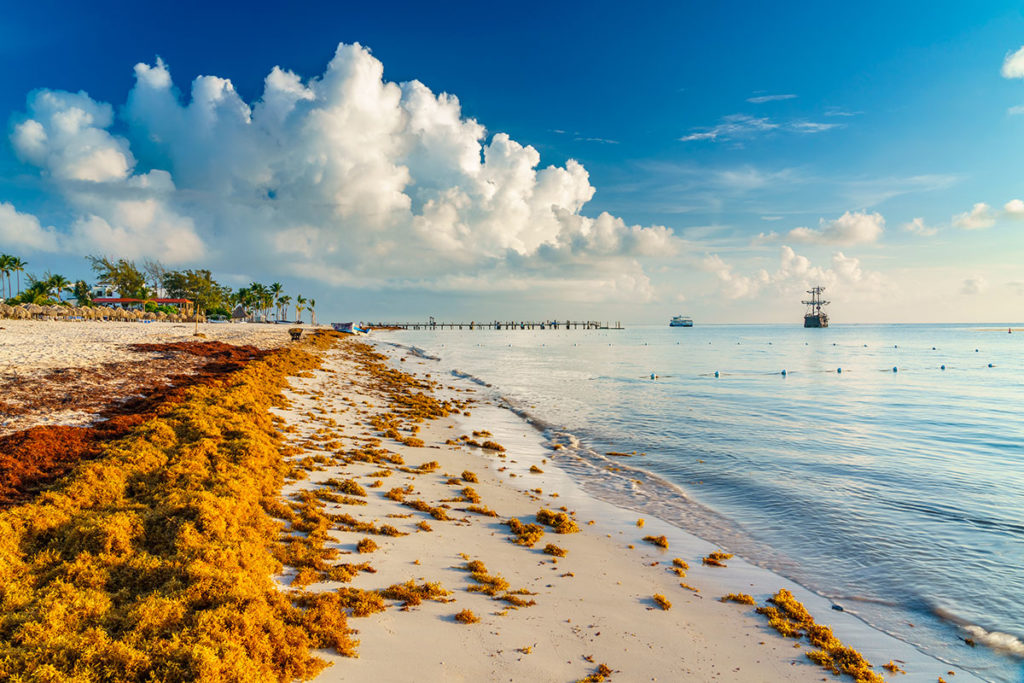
(32, 458)
(154, 559)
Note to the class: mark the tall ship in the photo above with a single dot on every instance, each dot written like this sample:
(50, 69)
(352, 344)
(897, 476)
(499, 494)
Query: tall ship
(815, 317)
(681, 321)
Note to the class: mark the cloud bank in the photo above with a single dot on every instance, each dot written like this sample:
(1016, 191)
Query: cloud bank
(346, 178)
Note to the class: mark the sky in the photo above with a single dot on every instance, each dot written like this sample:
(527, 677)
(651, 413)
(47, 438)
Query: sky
(602, 160)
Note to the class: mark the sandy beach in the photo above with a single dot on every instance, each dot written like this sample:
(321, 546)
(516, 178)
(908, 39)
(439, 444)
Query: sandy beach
(383, 469)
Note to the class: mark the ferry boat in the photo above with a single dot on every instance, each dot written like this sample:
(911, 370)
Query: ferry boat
(681, 321)
(815, 317)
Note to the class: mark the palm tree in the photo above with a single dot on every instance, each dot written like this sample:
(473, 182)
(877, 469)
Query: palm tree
(18, 266)
(283, 302)
(58, 283)
(300, 305)
(260, 295)
(275, 290)
(6, 265)
(312, 309)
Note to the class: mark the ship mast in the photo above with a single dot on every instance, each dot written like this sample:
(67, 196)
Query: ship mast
(816, 302)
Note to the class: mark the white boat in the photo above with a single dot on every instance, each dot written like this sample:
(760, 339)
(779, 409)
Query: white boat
(681, 321)
(349, 328)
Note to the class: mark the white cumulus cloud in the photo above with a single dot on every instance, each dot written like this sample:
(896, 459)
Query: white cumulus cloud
(918, 227)
(23, 231)
(980, 216)
(1014, 208)
(849, 229)
(795, 273)
(1013, 65)
(346, 177)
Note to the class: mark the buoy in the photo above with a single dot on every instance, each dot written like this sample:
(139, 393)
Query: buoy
(653, 376)
(942, 367)
(975, 350)
(839, 370)
(990, 365)
(895, 346)
(933, 348)
(716, 373)
(783, 373)
(895, 369)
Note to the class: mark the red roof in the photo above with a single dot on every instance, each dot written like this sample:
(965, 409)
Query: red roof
(110, 300)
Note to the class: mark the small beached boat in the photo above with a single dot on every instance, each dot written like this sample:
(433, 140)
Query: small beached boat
(350, 328)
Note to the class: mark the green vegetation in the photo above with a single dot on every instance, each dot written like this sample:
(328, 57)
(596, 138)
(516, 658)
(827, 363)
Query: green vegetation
(124, 278)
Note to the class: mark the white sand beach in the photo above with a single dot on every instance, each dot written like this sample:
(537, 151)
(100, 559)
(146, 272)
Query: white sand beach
(594, 606)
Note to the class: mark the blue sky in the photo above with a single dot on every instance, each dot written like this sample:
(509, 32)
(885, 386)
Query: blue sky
(730, 126)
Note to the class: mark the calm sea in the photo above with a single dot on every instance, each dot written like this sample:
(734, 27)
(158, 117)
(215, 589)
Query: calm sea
(866, 472)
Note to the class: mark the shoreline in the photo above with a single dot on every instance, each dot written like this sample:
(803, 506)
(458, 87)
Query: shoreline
(726, 634)
(347, 417)
(877, 644)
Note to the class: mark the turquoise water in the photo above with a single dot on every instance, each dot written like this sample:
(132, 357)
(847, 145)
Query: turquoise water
(897, 494)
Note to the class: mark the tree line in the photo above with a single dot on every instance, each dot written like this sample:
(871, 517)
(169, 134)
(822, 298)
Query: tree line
(148, 282)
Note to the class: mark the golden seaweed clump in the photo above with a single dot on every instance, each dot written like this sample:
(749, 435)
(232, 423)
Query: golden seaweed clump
(716, 559)
(492, 446)
(893, 667)
(559, 521)
(602, 673)
(790, 618)
(525, 534)
(424, 526)
(411, 594)
(741, 598)
(660, 541)
(437, 513)
(361, 603)
(466, 616)
(495, 585)
(348, 486)
(470, 494)
(482, 510)
(536, 470)
(367, 545)
(661, 601)
(470, 477)
(640, 523)
(552, 549)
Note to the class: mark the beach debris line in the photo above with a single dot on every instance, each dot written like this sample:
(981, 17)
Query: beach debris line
(216, 454)
(791, 619)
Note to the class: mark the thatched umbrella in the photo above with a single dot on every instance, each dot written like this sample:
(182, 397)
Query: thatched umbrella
(149, 315)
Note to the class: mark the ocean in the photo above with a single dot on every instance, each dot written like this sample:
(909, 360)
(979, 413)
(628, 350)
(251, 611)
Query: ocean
(881, 466)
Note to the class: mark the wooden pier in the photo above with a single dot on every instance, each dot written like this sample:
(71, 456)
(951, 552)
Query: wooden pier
(502, 325)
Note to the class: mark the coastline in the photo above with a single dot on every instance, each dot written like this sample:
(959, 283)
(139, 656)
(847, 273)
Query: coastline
(603, 613)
